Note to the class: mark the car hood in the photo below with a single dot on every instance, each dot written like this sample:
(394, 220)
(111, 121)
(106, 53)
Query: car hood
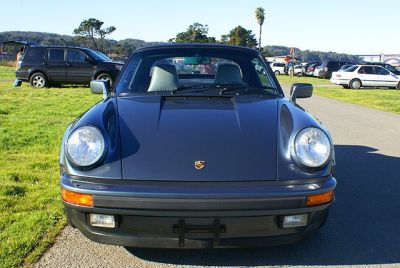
(162, 137)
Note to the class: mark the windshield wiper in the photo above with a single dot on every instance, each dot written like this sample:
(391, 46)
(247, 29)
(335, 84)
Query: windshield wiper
(225, 88)
(247, 88)
(197, 86)
(231, 87)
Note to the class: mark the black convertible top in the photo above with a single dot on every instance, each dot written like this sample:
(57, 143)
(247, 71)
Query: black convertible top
(172, 46)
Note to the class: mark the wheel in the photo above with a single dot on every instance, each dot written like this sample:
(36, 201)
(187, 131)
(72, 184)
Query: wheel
(398, 86)
(355, 84)
(277, 73)
(38, 80)
(345, 86)
(106, 77)
(299, 74)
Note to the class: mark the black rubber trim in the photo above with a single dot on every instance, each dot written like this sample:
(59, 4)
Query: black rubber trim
(198, 203)
(198, 213)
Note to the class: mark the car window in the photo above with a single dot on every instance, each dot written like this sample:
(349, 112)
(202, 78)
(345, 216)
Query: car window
(390, 68)
(261, 72)
(381, 71)
(369, 70)
(35, 53)
(56, 54)
(335, 65)
(75, 55)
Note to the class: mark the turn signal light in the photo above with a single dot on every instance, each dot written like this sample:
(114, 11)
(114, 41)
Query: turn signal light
(319, 199)
(77, 198)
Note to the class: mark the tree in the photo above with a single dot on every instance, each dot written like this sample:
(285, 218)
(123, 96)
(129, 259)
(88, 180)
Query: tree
(260, 16)
(196, 33)
(239, 36)
(90, 29)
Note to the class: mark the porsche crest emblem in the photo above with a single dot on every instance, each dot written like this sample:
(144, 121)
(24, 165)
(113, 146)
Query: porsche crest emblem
(199, 164)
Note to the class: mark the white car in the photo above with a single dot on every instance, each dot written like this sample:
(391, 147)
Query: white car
(316, 71)
(299, 70)
(359, 76)
(278, 68)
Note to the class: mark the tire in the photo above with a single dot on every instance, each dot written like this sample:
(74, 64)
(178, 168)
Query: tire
(106, 77)
(38, 80)
(355, 84)
(398, 86)
(277, 73)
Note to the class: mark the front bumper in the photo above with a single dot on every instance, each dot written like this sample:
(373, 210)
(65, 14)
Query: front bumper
(150, 214)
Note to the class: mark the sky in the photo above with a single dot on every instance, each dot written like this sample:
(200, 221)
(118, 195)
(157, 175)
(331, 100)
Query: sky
(343, 26)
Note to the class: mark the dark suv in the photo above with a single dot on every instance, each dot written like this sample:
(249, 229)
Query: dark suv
(50, 65)
(329, 66)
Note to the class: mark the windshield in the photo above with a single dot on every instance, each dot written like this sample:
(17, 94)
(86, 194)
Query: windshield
(390, 68)
(189, 72)
(102, 55)
(97, 55)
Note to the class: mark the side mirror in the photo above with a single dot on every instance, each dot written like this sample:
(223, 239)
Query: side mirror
(300, 90)
(100, 87)
(89, 59)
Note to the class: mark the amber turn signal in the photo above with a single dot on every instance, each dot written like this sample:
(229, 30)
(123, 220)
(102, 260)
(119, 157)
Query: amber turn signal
(77, 198)
(319, 199)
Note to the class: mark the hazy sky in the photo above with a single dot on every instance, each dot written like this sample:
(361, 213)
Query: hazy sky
(350, 26)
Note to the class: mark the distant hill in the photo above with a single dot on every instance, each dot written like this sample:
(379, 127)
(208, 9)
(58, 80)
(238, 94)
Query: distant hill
(308, 55)
(118, 49)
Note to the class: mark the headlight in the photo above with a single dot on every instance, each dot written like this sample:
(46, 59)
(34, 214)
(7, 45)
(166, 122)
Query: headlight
(85, 146)
(312, 147)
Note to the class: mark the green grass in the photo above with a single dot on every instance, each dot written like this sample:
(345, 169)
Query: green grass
(32, 122)
(285, 79)
(387, 100)
(7, 73)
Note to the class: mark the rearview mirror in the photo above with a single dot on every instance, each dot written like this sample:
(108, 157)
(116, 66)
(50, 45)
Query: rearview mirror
(100, 87)
(300, 90)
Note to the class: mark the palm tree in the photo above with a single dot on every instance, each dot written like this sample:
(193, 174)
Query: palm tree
(260, 16)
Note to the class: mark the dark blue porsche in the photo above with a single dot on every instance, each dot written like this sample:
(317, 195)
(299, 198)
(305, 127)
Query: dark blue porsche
(195, 146)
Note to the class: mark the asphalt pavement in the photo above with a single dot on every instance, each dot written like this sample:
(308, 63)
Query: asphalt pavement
(364, 224)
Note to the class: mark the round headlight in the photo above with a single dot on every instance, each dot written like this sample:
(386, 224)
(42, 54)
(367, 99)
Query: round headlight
(312, 147)
(85, 146)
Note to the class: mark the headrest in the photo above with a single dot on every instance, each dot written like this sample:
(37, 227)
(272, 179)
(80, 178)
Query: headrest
(164, 78)
(228, 73)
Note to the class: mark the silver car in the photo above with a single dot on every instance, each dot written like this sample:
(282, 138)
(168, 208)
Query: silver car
(359, 76)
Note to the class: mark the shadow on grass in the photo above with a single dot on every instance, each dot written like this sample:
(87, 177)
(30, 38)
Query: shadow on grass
(362, 227)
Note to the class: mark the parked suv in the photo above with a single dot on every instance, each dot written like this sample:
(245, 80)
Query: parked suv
(53, 65)
(329, 66)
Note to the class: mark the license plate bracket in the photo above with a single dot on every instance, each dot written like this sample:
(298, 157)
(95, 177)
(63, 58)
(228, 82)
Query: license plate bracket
(182, 229)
